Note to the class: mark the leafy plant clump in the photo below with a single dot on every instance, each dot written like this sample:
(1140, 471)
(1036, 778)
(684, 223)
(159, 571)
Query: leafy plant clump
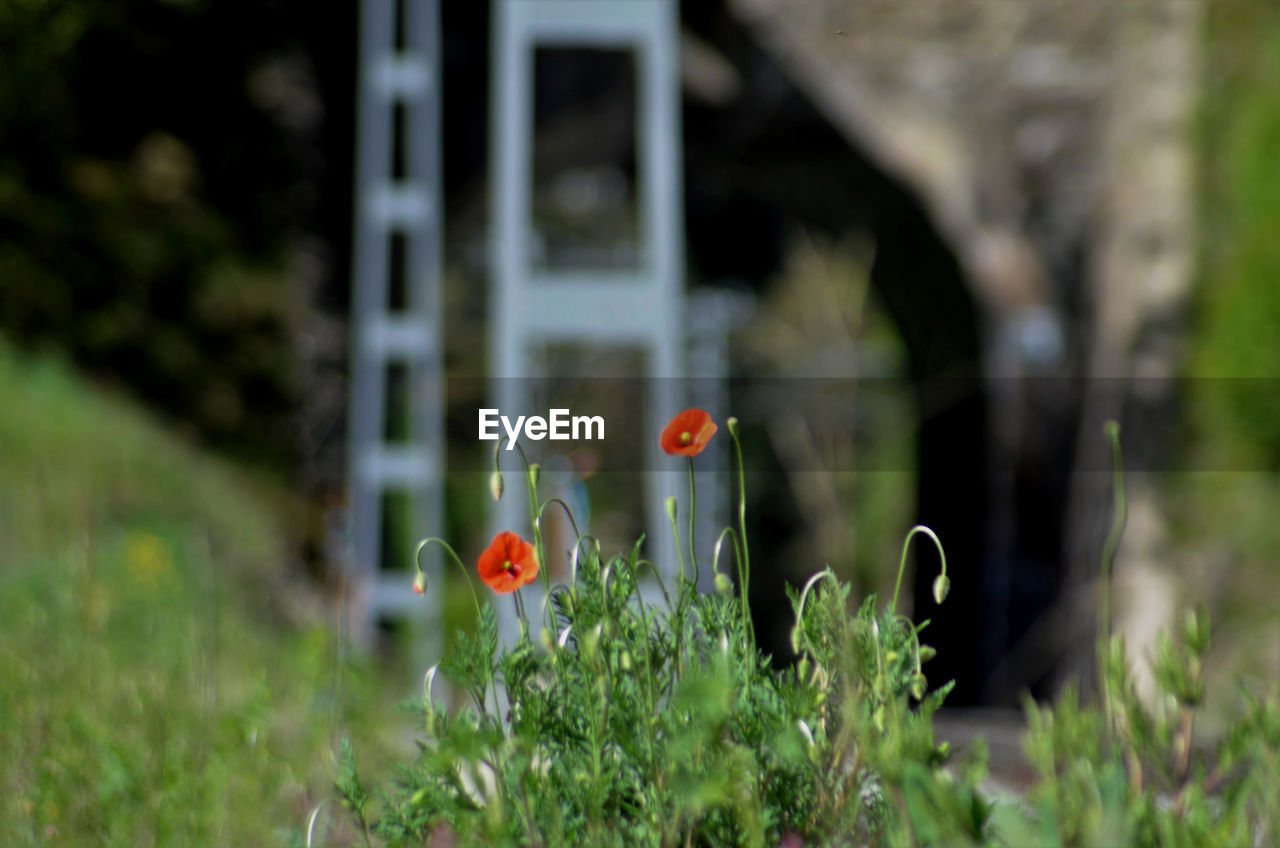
(624, 716)
(630, 712)
(1126, 772)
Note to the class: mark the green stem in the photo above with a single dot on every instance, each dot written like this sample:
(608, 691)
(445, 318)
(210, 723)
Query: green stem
(520, 612)
(535, 518)
(744, 562)
(678, 613)
(693, 509)
(675, 532)
(1118, 518)
(662, 584)
(1109, 548)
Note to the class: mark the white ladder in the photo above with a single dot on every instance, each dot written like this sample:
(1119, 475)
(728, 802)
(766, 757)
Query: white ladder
(397, 201)
(641, 308)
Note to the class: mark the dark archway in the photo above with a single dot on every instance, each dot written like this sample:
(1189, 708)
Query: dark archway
(768, 161)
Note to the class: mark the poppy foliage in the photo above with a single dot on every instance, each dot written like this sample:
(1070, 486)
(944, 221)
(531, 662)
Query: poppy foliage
(688, 433)
(508, 563)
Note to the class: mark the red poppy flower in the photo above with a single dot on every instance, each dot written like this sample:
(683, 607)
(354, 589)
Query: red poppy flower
(688, 433)
(508, 563)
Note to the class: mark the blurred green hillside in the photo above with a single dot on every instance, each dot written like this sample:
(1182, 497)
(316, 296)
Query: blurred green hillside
(1223, 518)
(151, 692)
(1237, 334)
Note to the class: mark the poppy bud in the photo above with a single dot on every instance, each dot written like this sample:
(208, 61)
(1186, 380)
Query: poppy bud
(732, 424)
(941, 586)
(420, 583)
(534, 471)
(724, 585)
(496, 485)
(672, 508)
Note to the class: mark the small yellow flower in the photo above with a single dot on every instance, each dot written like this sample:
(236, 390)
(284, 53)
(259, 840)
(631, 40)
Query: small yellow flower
(148, 559)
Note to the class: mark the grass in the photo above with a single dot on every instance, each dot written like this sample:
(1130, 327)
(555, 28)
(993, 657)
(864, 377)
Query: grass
(150, 692)
(1222, 522)
(1238, 313)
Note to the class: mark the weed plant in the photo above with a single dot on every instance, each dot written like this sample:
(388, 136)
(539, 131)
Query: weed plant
(616, 721)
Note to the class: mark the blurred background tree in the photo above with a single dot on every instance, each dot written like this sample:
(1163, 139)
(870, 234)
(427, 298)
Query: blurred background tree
(163, 183)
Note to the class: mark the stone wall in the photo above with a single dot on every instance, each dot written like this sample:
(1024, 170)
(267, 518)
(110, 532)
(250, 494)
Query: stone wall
(1050, 141)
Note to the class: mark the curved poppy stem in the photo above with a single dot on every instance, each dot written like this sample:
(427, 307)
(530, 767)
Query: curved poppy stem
(546, 612)
(497, 466)
(737, 555)
(824, 574)
(572, 523)
(715, 553)
(662, 584)
(507, 440)
(417, 562)
(568, 512)
(902, 564)
(311, 821)
(573, 560)
(531, 470)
